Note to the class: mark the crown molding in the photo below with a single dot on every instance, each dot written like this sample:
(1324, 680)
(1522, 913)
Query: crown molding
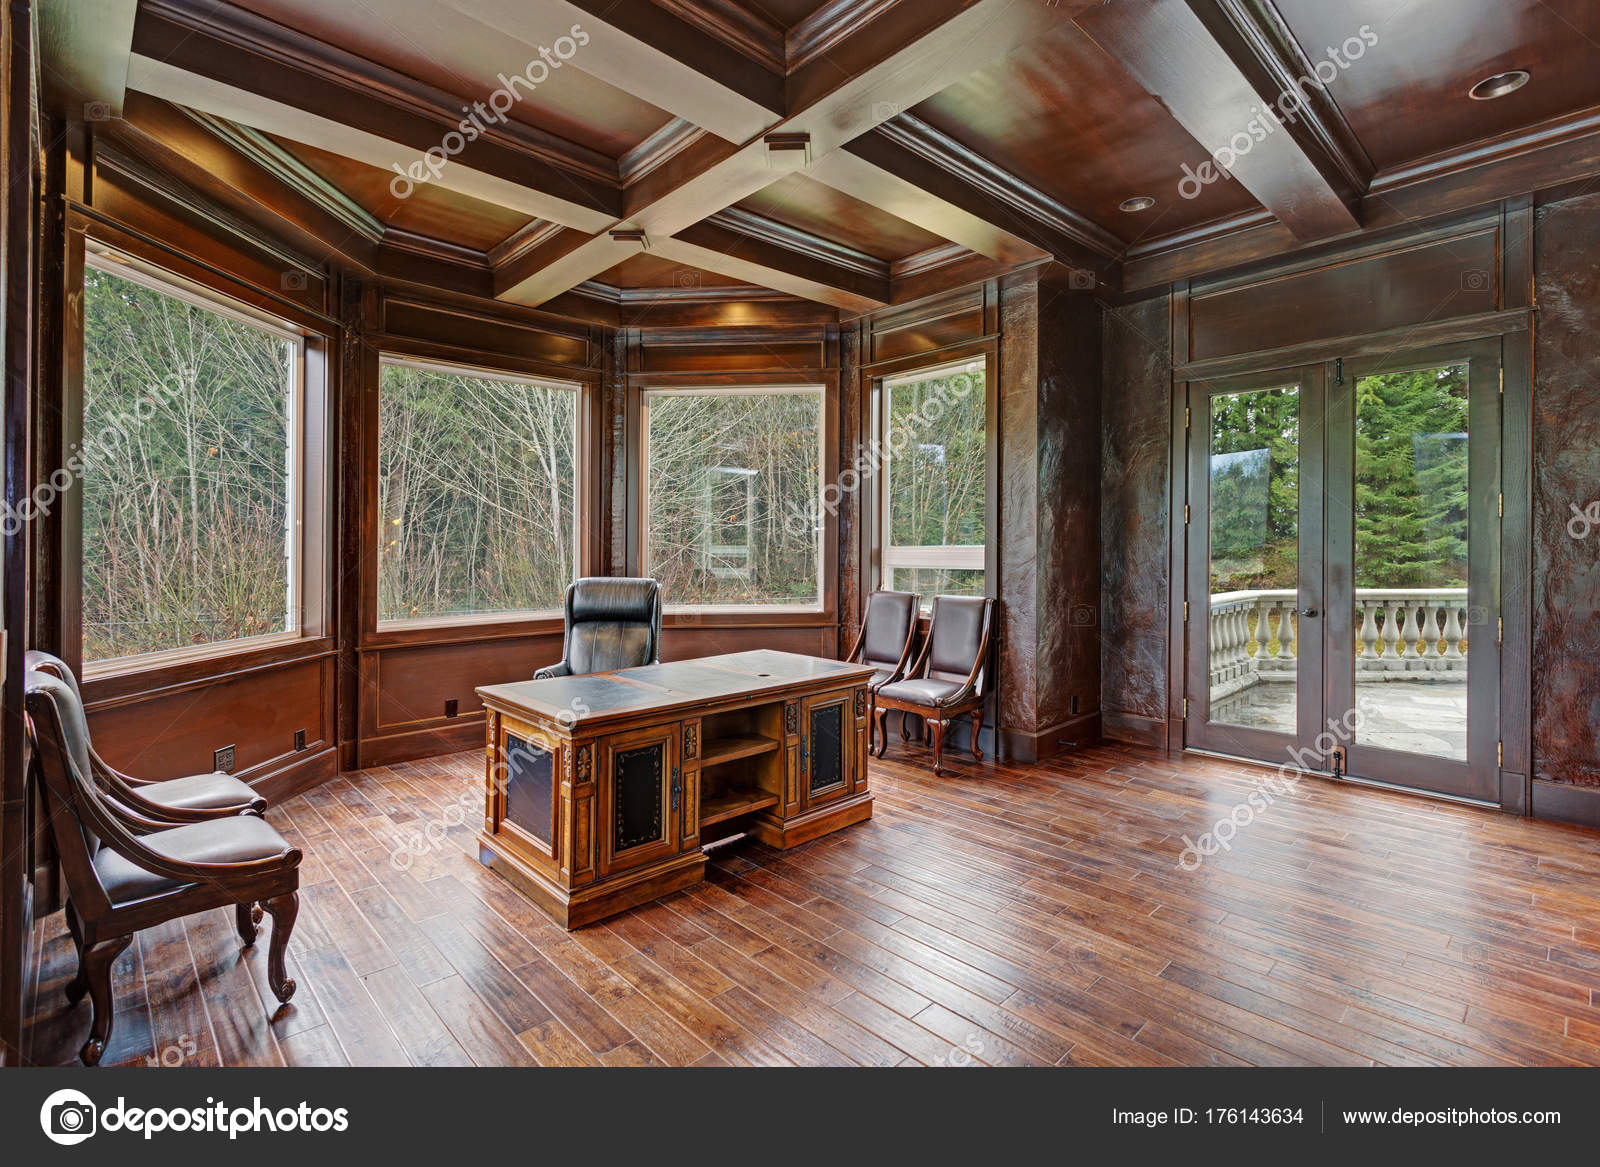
(290, 171)
(677, 135)
(801, 242)
(745, 30)
(1568, 128)
(1275, 60)
(927, 261)
(827, 26)
(938, 148)
(693, 294)
(247, 31)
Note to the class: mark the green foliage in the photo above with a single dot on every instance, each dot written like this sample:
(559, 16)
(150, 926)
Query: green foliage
(1411, 479)
(733, 493)
(1255, 489)
(477, 480)
(185, 473)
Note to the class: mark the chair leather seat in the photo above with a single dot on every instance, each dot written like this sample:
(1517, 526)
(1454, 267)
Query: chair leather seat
(880, 677)
(200, 792)
(924, 690)
(229, 840)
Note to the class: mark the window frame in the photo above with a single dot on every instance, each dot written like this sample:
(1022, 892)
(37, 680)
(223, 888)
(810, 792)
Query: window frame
(307, 483)
(582, 471)
(957, 557)
(744, 388)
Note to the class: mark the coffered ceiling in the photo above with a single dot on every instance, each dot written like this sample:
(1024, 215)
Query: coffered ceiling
(843, 152)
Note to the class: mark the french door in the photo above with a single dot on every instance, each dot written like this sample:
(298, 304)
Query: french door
(1343, 559)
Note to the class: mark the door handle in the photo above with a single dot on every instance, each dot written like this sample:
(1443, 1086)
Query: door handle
(1309, 613)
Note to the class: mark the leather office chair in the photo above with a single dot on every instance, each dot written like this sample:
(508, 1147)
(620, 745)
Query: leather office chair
(612, 623)
(125, 872)
(180, 800)
(887, 632)
(950, 678)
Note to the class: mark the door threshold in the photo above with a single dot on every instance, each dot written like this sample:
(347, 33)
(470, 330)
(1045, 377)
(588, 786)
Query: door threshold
(1374, 783)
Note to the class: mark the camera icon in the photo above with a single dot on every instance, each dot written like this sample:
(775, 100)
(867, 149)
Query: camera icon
(1082, 279)
(1477, 616)
(687, 278)
(1475, 280)
(1083, 616)
(96, 111)
(68, 1117)
(292, 281)
(882, 111)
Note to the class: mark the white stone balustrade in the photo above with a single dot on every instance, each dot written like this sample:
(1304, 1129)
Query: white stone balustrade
(1417, 634)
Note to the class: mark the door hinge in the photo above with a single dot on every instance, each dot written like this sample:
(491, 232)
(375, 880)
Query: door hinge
(1186, 611)
(1338, 371)
(1187, 418)
(1500, 753)
(1502, 505)
(1502, 382)
(1185, 514)
(1500, 631)
(1186, 707)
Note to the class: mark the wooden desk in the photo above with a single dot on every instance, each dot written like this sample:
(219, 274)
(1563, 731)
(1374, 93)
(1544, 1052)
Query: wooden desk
(600, 790)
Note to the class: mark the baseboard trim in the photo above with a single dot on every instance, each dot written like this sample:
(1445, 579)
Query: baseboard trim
(1135, 729)
(300, 774)
(387, 749)
(1075, 733)
(1565, 803)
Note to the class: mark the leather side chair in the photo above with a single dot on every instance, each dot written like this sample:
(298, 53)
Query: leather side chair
(179, 800)
(888, 631)
(950, 678)
(612, 622)
(125, 872)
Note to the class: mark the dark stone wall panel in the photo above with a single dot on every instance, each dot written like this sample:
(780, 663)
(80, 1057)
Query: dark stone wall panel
(1136, 484)
(1566, 471)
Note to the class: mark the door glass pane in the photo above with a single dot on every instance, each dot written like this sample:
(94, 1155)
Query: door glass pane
(1412, 620)
(1254, 557)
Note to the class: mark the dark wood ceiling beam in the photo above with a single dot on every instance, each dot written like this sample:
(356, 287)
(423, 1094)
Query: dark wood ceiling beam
(651, 53)
(1563, 150)
(918, 153)
(713, 246)
(1172, 54)
(236, 65)
(83, 56)
(867, 81)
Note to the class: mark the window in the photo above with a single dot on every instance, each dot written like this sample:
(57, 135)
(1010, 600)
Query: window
(191, 469)
(934, 481)
(477, 493)
(732, 496)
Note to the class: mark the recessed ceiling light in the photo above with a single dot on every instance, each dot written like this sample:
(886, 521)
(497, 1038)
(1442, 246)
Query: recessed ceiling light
(1141, 203)
(1499, 85)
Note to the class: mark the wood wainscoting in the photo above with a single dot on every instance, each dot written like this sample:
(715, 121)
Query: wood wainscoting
(1002, 915)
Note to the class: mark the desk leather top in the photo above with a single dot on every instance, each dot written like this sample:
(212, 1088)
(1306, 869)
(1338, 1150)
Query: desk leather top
(669, 686)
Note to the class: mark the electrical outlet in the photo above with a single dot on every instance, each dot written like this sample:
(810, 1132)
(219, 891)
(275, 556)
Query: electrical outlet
(452, 707)
(299, 739)
(223, 760)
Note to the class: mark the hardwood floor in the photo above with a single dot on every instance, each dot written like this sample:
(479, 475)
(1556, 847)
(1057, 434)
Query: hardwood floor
(1002, 915)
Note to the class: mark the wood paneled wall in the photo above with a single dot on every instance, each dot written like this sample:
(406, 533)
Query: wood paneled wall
(1465, 274)
(1566, 445)
(1136, 486)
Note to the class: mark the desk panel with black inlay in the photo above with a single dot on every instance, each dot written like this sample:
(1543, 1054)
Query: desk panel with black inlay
(601, 790)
